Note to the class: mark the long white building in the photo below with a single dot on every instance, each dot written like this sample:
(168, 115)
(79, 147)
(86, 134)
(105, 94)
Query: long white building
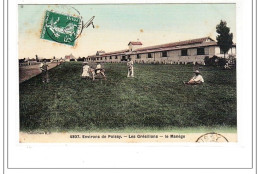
(183, 52)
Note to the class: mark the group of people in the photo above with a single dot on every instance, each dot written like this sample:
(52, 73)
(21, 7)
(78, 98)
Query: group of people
(89, 72)
(195, 80)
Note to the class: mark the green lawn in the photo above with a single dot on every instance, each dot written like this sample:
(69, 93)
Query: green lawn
(155, 99)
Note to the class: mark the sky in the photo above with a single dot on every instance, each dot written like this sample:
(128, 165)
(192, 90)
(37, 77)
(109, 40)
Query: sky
(117, 24)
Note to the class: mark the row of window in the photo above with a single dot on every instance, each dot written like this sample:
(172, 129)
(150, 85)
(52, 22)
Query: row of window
(184, 52)
(105, 58)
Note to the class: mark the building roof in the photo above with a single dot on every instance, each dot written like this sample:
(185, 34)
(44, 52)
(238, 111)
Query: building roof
(199, 42)
(175, 47)
(135, 43)
(110, 53)
(100, 52)
(180, 43)
(115, 52)
(70, 56)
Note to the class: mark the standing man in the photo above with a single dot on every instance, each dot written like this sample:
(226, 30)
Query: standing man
(130, 67)
(197, 79)
(45, 74)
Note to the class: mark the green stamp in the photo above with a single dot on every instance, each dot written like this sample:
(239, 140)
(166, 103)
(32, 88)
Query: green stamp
(61, 28)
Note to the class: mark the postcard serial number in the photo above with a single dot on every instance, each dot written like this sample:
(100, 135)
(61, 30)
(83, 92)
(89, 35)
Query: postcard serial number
(75, 136)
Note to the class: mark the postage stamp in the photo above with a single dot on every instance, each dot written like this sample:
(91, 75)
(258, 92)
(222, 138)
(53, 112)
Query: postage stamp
(61, 28)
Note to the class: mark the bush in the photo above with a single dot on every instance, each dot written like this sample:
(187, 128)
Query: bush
(215, 61)
(222, 61)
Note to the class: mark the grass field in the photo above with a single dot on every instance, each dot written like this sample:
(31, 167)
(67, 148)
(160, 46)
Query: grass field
(155, 99)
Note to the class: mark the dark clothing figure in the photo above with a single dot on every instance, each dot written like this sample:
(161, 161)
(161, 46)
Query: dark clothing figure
(45, 73)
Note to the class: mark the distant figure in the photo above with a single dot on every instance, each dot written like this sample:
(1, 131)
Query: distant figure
(86, 70)
(130, 67)
(197, 79)
(45, 74)
(227, 66)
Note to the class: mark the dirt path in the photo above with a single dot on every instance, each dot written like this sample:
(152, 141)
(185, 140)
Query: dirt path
(27, 72)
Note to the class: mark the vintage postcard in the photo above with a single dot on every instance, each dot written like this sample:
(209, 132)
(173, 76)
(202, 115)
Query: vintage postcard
(129, 85)
(127, 73)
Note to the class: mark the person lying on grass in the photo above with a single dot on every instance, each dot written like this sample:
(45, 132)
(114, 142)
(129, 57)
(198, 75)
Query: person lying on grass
(197, 79)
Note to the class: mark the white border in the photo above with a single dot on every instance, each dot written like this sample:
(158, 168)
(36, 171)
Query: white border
(186, 155)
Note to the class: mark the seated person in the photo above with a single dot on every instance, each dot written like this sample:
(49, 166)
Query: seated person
(197, 79)
(99, 70)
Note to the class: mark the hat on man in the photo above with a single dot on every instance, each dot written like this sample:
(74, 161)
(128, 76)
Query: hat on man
(197, 72)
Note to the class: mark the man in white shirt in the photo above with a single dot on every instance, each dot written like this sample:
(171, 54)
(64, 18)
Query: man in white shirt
(197, 79)
(130, 66)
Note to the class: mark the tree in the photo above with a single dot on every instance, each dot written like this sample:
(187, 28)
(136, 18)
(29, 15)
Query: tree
(224, 38)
